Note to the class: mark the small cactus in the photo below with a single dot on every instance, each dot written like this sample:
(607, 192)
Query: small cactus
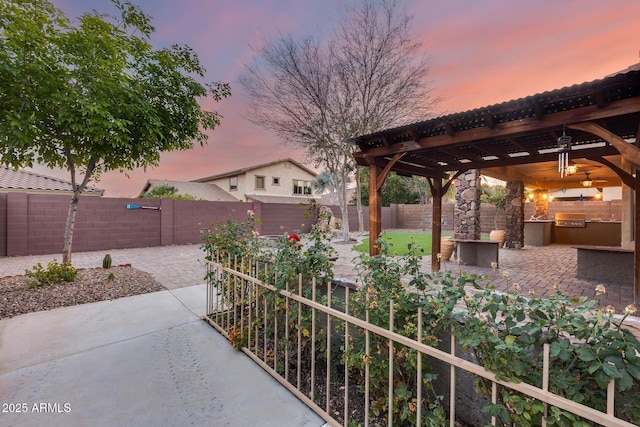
(106, 261)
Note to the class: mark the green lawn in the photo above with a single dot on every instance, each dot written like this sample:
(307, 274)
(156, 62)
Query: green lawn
(400, 242)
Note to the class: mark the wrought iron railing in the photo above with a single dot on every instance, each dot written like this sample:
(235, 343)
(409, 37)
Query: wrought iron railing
(293, 333)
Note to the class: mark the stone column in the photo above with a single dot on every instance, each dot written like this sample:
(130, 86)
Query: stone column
(466, 216)
(514, 213)
(540, 204)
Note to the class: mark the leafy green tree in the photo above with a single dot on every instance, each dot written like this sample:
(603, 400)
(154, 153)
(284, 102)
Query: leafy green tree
(496, 195)
(95, 96)
(166, 191)
(396, 189)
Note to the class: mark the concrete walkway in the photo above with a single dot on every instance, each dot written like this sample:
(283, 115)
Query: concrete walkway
(146, 360)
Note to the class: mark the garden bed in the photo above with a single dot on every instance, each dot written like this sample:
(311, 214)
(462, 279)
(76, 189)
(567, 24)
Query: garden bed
(17, 296)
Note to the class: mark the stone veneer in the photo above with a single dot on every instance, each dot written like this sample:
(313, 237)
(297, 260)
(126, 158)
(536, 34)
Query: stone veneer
(514, 213)
(540, 204)
(466, 218)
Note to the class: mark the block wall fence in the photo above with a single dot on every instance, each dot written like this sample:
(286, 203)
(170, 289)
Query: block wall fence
(33, 224)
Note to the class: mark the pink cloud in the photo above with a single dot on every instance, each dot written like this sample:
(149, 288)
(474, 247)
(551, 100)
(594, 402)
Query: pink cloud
(481, 53)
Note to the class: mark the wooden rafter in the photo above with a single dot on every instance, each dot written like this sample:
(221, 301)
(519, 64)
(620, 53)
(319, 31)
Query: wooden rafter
(629, 152)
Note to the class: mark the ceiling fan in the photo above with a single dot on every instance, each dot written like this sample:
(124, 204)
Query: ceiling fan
(588, 182)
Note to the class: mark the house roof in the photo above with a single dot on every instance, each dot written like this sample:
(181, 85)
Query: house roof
(199, 190)
(31, 182)
(250, 168)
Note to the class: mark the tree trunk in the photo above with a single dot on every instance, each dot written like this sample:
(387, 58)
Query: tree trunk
(68, 233)
(344, 206)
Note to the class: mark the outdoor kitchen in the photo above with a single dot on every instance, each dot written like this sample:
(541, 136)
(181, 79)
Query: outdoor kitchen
(573, 229)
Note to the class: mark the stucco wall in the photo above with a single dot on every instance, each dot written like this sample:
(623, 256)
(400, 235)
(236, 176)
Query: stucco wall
(286, 173)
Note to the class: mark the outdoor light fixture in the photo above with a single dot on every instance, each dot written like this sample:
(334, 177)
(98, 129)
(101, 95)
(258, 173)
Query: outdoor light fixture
(531, 196)
(586, 183)
(572, 168)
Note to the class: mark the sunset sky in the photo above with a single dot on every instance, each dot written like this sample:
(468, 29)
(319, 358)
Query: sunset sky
(481, 53)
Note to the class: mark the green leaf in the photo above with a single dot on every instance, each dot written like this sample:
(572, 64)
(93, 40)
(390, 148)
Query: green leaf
(625, 382)
(595, 365)
(510, 339)
(633, 370)
(585, 354)
(602, 379)
(554, 349)
(610, 370)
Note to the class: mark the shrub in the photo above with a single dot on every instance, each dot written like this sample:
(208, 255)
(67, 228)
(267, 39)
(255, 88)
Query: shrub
(55, 272)
(506, 332)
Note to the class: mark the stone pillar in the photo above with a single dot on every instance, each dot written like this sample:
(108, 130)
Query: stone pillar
(466, 216)
(541, 204)
(514, 213)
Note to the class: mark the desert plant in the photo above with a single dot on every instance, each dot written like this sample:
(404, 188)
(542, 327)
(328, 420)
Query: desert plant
(55, 272)
(106, 261)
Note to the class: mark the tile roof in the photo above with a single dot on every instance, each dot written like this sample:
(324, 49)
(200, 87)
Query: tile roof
(26, 181)
(253, 167)
(199, 190)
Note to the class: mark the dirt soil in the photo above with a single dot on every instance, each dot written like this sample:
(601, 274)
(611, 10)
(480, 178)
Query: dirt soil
(91, 285)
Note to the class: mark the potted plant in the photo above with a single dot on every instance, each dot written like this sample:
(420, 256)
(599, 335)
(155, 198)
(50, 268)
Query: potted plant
(496, 195)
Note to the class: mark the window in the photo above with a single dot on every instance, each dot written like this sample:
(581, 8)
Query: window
(276, 181)
(233, 183)
(259, 182)
(301, 187)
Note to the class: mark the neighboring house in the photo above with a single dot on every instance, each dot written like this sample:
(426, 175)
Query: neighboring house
(21, 181)
(281, 181)
(210, 192)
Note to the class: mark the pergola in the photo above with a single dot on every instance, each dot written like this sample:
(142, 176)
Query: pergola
(517, 141)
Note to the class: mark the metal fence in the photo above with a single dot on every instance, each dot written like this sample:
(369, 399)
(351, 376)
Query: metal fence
(301, 337)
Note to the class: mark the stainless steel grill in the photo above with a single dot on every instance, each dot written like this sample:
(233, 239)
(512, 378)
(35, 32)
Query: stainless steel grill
(574, 220)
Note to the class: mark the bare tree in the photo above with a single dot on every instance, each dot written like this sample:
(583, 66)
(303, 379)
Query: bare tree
(317, 95)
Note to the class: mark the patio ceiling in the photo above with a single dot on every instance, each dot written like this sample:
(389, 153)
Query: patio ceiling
(518, 139)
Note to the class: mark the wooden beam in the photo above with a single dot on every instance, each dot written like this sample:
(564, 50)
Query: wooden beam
(537, 107)
(636, 239)
(507, 173)
(629, 152)
(546, 157)
(625, 176)
(436, 223)
(403, 168)
(449, 129)
(458, 153)
(488, 120)
(383, 175)
(529, 150)
(375, 209)
(489, 149)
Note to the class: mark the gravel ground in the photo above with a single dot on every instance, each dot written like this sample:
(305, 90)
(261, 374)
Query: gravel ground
(91, 285)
